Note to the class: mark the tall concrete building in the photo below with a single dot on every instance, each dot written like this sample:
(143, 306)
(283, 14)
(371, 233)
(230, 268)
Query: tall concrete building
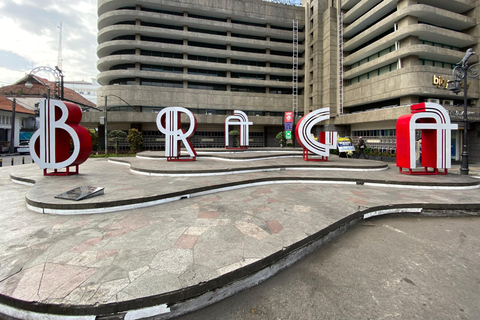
(366, 60)
(396, 53)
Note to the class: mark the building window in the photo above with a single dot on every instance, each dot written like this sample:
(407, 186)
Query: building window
(207, 59)
(152, 67)
(196, 16)
(252, 50)
(374, 73)
(440, 64)
(281, 40)
(373, 57)
(249, 23)
(280, 91)
(240, 75)
(125, 66)
(246, 36)
(161, 83)
(161, 40)
(180, 14)
(252, 89)
(161, 54)
(126, 51)
(281, 28)
(159, 25)
(219, 33)
(125, 37)
(281, 53)
(207, 45)
(281, 65)
(207, 86)
(130, 23)
(281, 78)
(203, 72)
(436, 44)
(249, 63)
(123, 81)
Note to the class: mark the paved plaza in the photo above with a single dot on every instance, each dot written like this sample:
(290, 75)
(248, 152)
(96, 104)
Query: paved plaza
(167, 238)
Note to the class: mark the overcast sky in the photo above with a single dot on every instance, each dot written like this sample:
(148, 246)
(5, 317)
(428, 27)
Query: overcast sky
(30, 37)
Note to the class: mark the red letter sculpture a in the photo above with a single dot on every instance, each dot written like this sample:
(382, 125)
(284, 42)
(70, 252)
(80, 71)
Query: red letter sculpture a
(434, 122)
(50, 145)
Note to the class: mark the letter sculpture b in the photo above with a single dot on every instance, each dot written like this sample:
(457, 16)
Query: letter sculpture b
(50, 145)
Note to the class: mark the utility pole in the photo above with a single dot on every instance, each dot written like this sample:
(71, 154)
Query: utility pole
(12, 134)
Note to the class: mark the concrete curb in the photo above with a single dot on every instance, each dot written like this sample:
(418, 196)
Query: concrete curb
(134, 203)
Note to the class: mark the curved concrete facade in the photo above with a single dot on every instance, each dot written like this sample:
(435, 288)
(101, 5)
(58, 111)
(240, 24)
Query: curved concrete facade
(217, 56)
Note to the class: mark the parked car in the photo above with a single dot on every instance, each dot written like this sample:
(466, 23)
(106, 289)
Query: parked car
(24, 147)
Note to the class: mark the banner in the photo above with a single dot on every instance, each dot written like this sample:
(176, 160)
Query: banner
(288, 121)
(345, 144)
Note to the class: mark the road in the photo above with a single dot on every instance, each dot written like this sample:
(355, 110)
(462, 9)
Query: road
(384, 268)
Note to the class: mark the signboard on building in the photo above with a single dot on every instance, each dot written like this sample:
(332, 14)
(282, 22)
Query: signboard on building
(289, 121)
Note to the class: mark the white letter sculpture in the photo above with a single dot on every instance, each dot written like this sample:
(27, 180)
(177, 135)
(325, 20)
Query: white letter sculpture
(50, 144)
(241, 119)
(303, 132)
(434, 122)
(169, 123)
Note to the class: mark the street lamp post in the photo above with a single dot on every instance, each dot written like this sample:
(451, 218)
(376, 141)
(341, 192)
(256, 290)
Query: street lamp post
(60, 73)
(105, 117)
(463, 71)
(12, 134)
(105, 124)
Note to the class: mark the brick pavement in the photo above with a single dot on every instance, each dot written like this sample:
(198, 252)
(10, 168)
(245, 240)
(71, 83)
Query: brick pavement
(179, 236)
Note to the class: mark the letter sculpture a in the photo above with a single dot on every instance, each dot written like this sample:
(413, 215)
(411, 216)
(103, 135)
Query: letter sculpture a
(50, 145)
(434, 122)
(241, 119)
(169, 123)
(303, 133)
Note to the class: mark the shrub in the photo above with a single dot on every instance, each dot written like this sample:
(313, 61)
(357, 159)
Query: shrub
(117, 135)
(135, 139)
(281, 138)
(94, 136)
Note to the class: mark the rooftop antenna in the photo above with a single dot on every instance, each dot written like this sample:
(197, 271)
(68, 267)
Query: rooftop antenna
(59, 58)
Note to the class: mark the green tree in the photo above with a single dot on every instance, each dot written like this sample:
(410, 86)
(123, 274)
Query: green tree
(135, 139)
(235, 135)
(281, 138)
(117, 135)
(94, 136)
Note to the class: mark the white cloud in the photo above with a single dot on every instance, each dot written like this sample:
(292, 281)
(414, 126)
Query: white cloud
(33, 33)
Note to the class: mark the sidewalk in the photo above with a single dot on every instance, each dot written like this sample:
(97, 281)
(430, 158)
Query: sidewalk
(167, 238)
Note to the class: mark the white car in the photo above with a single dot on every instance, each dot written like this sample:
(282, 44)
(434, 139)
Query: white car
(24, 147)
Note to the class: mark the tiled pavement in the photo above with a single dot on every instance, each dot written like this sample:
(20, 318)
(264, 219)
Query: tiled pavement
(180, 255)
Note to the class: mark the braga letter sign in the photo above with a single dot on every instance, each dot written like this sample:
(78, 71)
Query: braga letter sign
(303, 133)
(434, 123)
(50, 145)
(241, 119)
(169, 123)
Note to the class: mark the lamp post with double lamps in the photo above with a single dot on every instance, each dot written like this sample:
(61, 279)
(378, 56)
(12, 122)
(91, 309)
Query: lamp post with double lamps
(463, 71)
(105, 116)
